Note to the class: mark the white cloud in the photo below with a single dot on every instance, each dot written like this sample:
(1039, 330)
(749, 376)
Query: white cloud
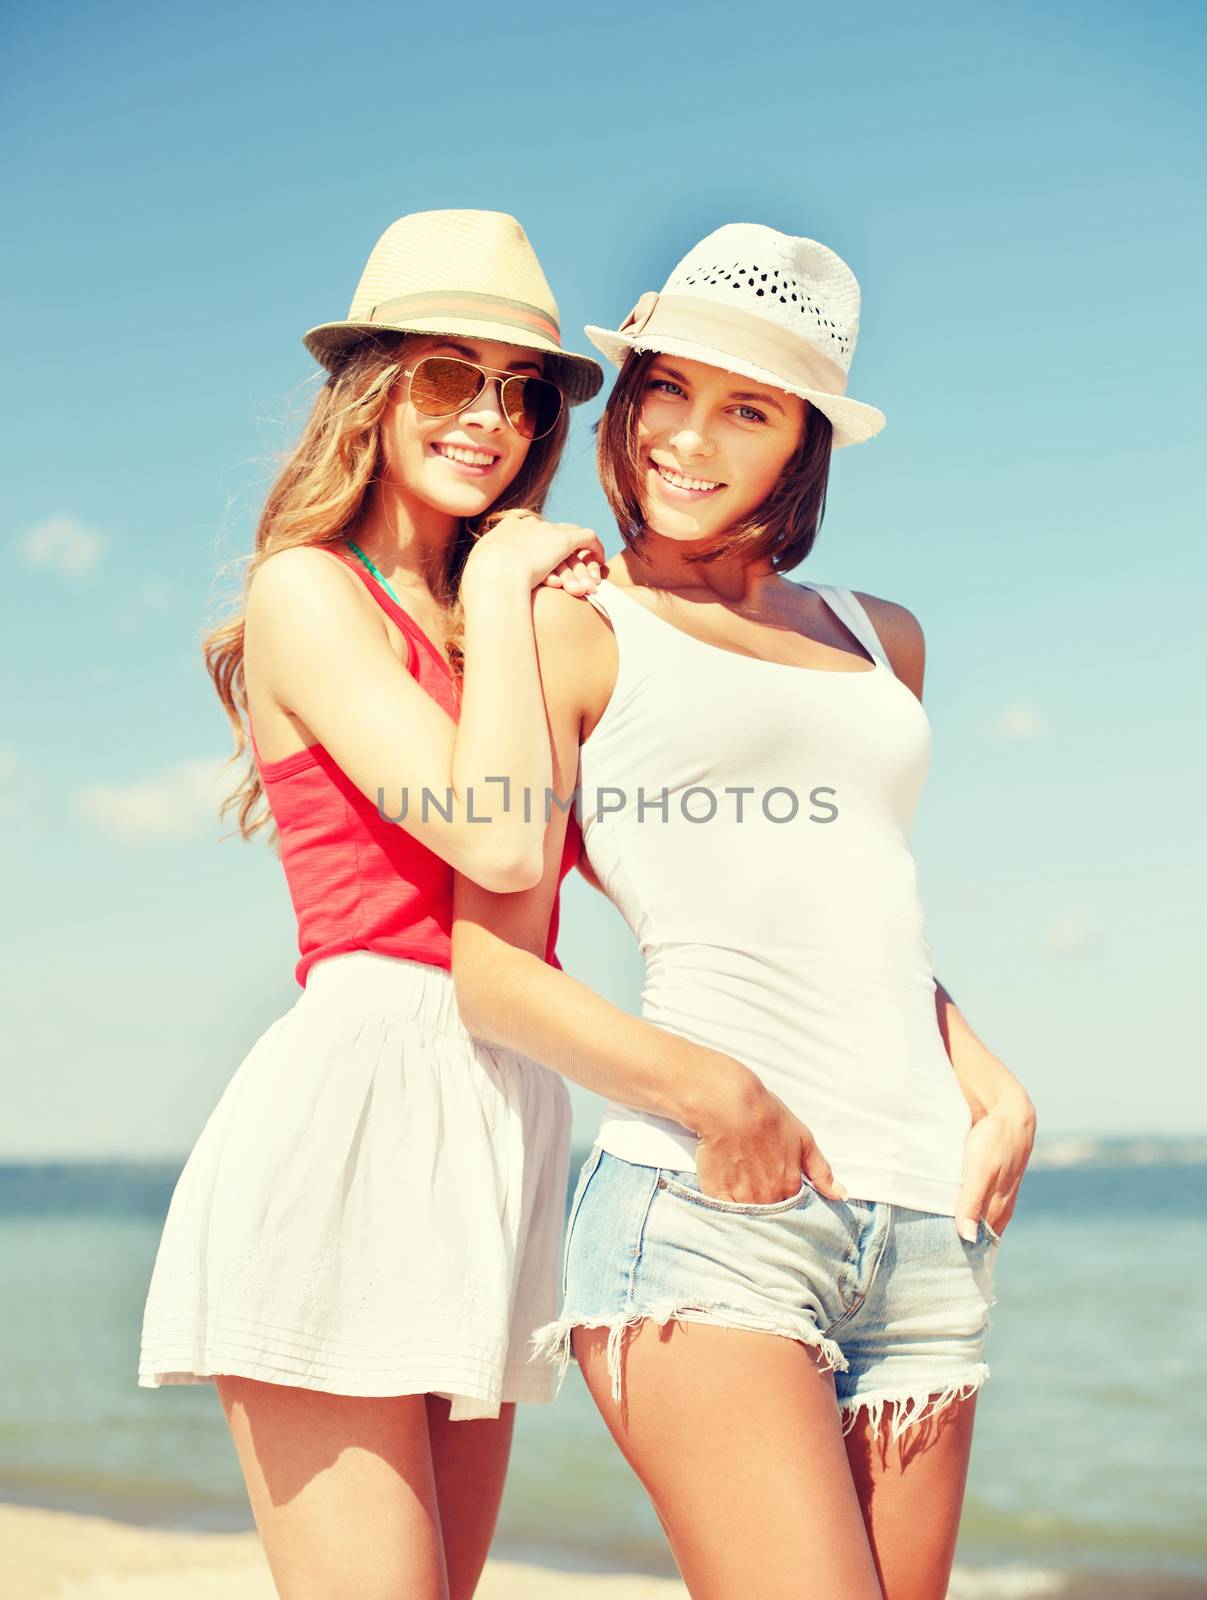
(1018, 722)
(18, 780)
(63, 543)
(181, 802)
(1075, 930)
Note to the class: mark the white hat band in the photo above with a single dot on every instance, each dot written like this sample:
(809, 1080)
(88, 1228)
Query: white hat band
(726, 330)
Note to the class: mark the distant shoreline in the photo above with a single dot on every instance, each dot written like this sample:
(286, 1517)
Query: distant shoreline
(1052, 1151)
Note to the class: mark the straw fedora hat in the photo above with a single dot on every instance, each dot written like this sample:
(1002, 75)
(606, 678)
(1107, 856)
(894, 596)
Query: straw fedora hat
(472, 273)
(763, 304)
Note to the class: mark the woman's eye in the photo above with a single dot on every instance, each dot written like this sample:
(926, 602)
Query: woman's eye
(749, 414)
(666, 384)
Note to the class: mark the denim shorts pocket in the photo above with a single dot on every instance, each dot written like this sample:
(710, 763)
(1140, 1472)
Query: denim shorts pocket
(589, 1168)
(686, 1186)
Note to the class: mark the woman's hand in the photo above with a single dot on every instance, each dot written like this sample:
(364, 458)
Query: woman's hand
(522, 544)
(577, 575)
(996, 1152)
(753, 1150)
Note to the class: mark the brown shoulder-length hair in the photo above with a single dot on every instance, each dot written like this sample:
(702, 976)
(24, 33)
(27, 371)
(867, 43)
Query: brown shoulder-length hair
(317, 498)
(784, 528)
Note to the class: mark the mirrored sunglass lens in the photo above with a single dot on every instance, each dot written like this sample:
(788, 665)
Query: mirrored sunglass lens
(533, 405)
(441, 385)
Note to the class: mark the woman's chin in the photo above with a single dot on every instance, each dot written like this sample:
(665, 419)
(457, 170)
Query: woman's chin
(678, 525)
(455, 501)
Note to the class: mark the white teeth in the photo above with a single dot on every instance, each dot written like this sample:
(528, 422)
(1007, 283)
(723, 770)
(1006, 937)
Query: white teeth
(469, 458)
(680, 482)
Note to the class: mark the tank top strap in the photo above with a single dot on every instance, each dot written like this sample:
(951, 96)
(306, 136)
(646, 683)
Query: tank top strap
(415, 637)
(631, 618)
(854, 614)
(628, 618)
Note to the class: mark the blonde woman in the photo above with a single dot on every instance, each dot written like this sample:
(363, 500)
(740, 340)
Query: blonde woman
(367, 1230)
(781, 1249)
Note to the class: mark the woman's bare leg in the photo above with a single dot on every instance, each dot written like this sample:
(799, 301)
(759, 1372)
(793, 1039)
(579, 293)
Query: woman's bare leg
(736, 1439)
(912, 1493)
(342, 1490)
(469, 1460)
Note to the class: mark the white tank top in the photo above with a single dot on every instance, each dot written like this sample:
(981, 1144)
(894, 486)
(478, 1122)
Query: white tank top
(780, 924)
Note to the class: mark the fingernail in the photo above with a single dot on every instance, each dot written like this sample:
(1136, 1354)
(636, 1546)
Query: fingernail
(968, 1230)
(840, 1191)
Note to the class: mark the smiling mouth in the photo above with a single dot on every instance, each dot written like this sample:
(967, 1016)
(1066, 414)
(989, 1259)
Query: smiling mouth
(482, 459)
(679, 480)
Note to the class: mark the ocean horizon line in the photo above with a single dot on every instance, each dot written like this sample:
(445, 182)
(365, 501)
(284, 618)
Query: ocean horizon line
(1069, 1149)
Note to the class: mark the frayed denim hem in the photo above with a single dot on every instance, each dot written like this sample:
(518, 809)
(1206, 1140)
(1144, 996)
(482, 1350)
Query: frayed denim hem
(552, 1342)
(905, 1410)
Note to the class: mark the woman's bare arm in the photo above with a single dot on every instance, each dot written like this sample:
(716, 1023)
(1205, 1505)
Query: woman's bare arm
(1004, 1121)
(752, 1148)
(305, 633)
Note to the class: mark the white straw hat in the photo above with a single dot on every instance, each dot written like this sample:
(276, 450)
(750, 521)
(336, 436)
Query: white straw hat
(472, 273)
(763, 304)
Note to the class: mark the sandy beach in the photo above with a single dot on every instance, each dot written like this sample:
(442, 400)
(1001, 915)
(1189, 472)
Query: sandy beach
(58, 1555)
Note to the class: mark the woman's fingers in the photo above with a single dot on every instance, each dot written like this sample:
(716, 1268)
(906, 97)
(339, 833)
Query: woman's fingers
(546, 547)
(818, 1170)
(576, 574)
(579, 573)
(976, 1201)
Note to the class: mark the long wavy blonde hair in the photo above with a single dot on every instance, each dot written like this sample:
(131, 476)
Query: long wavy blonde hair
(318, 497)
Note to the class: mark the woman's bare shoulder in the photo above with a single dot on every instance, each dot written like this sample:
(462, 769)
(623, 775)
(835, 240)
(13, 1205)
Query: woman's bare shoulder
(565, 622)
(576, 651)
(303, 572)
(901, 634)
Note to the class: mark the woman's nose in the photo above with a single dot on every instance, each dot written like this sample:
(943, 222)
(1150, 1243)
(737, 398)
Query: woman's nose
(690, 439)
(487, 410)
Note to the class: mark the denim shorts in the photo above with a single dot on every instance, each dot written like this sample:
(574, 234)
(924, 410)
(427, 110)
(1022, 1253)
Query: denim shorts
(893, 1300)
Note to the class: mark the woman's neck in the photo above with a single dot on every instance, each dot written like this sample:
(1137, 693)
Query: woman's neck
(659, 563)
(407, 542)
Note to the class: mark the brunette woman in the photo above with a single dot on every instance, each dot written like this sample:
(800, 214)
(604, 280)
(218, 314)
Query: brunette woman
(782, 1245)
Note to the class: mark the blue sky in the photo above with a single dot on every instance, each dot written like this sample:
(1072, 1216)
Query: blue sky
(1015, 188)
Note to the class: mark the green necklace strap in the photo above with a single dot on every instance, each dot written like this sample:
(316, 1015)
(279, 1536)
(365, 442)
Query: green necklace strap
(362, 557)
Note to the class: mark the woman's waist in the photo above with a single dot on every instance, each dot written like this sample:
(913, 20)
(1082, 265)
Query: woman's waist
(367, 983)
(924, 1175)
(831, 1046)
(871, 1100)
(778, 988)
(365, 886)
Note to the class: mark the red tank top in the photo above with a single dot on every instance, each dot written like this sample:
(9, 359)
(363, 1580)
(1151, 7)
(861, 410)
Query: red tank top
(356, 881)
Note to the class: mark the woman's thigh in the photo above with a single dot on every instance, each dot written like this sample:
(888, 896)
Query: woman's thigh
(469, 1460)
(735, 1436)
(912, 1492)
(342, 1489)
(915, 1364)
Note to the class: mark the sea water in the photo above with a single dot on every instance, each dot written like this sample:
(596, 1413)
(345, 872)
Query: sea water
(1089, 1466)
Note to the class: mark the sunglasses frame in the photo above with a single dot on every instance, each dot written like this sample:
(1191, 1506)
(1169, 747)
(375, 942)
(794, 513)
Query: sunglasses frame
(486, 374)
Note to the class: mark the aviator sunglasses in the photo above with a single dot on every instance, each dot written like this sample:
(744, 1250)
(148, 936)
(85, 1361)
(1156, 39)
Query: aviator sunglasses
(444, 385)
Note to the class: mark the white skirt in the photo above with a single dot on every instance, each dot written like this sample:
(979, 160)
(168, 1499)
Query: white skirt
(375, 1206)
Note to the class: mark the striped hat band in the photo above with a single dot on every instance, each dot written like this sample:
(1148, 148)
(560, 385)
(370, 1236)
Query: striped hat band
(470, 307)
